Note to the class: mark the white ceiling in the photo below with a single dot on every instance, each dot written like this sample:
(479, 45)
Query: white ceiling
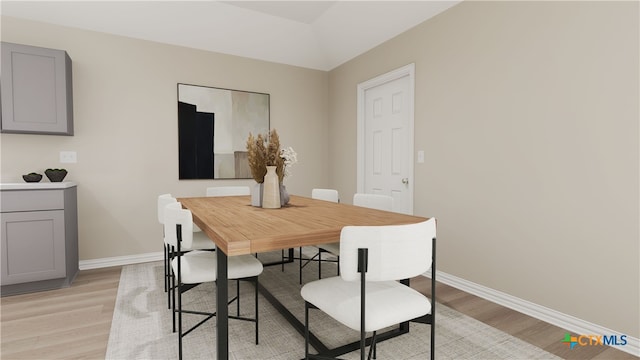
(312, 34)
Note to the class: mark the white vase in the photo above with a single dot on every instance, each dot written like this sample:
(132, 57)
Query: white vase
(256, 195)
(271, 189)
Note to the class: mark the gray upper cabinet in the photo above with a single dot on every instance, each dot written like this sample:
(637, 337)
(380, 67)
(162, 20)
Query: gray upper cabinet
(36, 90)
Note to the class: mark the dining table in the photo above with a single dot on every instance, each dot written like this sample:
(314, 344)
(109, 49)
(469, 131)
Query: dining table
(238, 228)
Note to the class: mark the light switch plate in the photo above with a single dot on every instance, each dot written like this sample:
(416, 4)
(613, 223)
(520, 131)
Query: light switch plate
(421, 156)
(68, 157)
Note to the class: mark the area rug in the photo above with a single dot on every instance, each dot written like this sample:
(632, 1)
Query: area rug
(141, 326)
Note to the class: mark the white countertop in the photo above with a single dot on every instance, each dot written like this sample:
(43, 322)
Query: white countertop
(37, 186)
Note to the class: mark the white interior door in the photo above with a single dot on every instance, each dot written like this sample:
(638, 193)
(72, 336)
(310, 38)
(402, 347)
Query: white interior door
(385, 137)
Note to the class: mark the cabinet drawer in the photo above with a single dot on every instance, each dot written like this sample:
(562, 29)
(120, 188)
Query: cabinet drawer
(31, 200)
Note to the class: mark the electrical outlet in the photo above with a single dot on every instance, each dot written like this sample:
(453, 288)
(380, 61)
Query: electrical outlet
(68, 157)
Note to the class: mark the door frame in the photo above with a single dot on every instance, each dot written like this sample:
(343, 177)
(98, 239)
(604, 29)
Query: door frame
(407, 70)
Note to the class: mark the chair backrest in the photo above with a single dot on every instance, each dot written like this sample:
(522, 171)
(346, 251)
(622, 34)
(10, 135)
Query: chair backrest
(395, 251)
(228, 191)
(374, 201)
(163, 201)
(174, 214)
(325, 194)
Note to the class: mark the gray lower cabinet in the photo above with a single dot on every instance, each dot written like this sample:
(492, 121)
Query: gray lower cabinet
(39, 246)
(36, 90)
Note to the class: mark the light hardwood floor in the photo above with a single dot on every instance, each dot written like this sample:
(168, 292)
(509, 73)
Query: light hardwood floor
(70, 323)
(74, 323)
(526, 328)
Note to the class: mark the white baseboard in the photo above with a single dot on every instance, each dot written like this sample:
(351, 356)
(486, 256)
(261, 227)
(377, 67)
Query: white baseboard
(120, 260)
(568, 322)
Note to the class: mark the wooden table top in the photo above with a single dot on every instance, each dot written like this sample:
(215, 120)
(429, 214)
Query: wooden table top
(239, 228)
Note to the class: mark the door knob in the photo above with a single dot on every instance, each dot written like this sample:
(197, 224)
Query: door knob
(405, 181)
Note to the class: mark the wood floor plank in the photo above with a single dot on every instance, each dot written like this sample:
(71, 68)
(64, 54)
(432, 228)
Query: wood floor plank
(507, 320)
(79, 335)
(53, 323)
(56, 305)
(93, 347)
(614, 354)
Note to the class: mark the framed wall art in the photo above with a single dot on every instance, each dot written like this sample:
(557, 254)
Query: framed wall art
(213, 127)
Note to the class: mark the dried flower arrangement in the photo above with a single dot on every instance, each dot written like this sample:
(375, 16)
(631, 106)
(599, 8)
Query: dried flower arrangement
(264, 151)
(256, 153)
(290, 157)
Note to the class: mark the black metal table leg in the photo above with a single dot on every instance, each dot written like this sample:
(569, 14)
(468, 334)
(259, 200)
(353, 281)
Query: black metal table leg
(222, 310)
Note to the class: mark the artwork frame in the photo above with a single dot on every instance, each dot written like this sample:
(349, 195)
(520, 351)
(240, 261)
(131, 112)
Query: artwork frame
(213, 127)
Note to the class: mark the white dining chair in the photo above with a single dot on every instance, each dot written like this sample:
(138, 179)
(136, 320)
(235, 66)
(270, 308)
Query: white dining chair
(326, 195)
(195, 267)
(372, 201)
(367, 295)
(163, 201)
(200, 242)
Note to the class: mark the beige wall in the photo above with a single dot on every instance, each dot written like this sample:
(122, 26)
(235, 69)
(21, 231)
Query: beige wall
(125, 110)
(528, 115)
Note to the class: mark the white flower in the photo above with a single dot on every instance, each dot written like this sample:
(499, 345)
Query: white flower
(290, 157)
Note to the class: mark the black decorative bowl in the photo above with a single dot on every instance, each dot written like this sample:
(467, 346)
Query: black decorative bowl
(32, 177)
(55, 175)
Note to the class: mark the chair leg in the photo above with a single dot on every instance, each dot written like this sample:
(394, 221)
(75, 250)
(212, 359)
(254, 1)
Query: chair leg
(179, 313)
(172, 292)
(282, 260)
(433, 340)
(433, 298)
(168, 273)
(306, 330)
(237, 297)
(319, 264)
(300, 262)
(179, 325)
(255, 284)
(166, 269)
(363, 342)
(362, 265)
(373, 348)
(254, 280)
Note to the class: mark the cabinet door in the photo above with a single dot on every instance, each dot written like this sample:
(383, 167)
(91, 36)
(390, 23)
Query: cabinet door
(36, 90)
(33, 246)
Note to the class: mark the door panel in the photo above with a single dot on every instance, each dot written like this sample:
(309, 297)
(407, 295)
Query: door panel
(386, 144)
